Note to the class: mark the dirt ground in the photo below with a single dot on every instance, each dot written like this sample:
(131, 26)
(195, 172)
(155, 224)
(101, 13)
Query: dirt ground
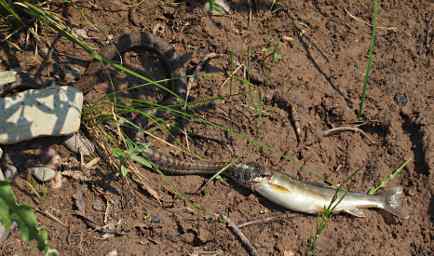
(311, 53)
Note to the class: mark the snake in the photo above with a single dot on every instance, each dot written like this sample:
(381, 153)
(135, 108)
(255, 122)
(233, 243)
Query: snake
(242, 174)
(132, 41)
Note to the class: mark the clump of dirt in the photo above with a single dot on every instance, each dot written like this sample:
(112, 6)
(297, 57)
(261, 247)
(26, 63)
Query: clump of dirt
(312, 54)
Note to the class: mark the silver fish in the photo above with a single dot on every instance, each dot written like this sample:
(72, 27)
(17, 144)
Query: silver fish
(314, 198)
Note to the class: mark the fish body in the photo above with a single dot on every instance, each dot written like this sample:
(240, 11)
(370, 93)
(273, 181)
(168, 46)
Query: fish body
(313, 198)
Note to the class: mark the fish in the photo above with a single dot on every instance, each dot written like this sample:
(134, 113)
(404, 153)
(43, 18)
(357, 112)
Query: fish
(313, 198)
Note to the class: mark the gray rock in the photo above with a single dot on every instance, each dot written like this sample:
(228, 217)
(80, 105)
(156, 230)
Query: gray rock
(43, 174)
(79, 144)
(10, 171)
(51, 111)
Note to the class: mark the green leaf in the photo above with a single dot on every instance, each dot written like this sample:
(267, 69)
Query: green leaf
(26, 221)
(23, 215)
(6, 193)
(124, 171)
(141, 160)
(5, 216)
(118, 153)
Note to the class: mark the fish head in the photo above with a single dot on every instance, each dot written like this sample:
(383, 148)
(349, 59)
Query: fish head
(247, 175)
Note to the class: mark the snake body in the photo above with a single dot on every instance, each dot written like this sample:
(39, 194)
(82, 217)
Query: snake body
(131, 41)
(242, 174)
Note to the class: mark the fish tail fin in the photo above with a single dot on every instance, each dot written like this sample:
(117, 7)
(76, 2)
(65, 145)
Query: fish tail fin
(392, 201)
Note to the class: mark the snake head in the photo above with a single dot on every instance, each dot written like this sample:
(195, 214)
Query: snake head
(247, 175)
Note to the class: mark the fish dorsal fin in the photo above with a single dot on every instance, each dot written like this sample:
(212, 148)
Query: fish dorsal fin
(356, 212)
(313, 183)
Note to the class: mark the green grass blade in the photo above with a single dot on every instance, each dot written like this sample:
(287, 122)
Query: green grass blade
(8, 7)
(388, 178)
(375, 9)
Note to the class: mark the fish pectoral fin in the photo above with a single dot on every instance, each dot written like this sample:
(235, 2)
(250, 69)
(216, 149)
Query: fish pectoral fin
(356, 212)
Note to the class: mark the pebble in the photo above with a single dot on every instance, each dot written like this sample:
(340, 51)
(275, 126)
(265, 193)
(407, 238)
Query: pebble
(71, 73)
(4, 234)
(98, 205)
(220, 7)
(7, 77)
(401, 100)
(155, 219)
(79, 144)
(57, 181)
(43, 174)
(51, 111)
(112, 253)
(10, 171)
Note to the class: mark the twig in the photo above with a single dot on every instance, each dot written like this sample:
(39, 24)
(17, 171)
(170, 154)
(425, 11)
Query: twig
(367, 23)
(239, 66)
(52, 217)
(244, 240)
(295, 120)
(265, 220)
(346, 129)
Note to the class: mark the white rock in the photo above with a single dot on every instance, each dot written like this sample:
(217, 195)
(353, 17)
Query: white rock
(42, 174)
(51, 111)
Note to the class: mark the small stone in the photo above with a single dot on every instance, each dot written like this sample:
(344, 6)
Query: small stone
(401, 100)
(43, 174)
(79, 144)
(98, 205)
(289, 253)
(81, 32)
(204, 235)
(52, 111)
(217, 7)
(112, 253)
(10, 171)
(57, 182)
(71, 73)
(7, 77)
(155, 219)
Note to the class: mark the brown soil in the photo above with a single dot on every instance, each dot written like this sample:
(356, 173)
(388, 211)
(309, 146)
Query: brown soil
(320, 49)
